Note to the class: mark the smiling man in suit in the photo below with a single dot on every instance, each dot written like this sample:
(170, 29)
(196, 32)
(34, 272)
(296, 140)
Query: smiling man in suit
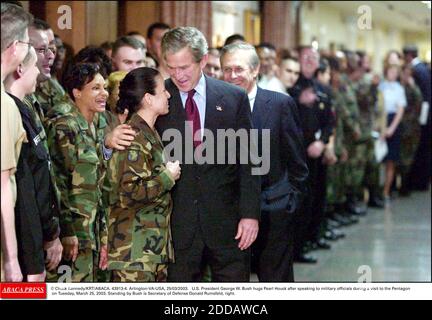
(278, 113)
(216, 206)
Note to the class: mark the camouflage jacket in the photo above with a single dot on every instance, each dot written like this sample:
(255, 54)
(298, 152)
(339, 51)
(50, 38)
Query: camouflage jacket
(49, 93)
(414, 101)
(347, 116)
(139, 222)
(366, 95)
(80, 168)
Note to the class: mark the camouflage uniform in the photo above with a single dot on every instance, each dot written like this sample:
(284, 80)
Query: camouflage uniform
(76, 151)
(347, 124)
(139, 236)
(410, 130)
(356, 164)
(367, 96)
(49, 93)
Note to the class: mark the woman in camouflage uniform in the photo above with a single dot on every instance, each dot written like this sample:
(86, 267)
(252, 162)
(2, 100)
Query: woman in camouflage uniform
(75, 139)
(139, 237)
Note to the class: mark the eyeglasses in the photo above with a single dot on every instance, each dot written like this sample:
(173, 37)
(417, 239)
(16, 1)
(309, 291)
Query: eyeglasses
(44, 51)
(23, 42)
(27, 43)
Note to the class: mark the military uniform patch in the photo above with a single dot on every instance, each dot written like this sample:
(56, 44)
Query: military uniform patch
(132, 155)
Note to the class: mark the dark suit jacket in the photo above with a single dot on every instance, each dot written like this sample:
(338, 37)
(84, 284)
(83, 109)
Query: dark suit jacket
(278, 112)
(211, 198)
(422, 76)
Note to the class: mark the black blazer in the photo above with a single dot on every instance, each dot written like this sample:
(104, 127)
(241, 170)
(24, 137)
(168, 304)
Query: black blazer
(211, 198)
(37, 207)
(278, 112)
(422, 76)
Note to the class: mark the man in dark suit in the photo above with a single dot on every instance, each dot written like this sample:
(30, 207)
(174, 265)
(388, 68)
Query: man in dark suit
(420, 176)
(216, 205)
(278, 113)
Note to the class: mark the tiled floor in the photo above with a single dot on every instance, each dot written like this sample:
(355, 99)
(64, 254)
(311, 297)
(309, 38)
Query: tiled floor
(393, 244)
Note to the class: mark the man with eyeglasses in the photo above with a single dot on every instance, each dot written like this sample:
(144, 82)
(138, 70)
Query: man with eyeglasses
(14, 48)
(49, 91)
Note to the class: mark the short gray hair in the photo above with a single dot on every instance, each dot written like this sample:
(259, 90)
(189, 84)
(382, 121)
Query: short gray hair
(14, 22)
(234, 47)
(30, 54)
(178, 38)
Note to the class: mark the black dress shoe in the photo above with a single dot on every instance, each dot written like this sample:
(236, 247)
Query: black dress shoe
(339, 234)
(375, 202)
(344, 221)
(357, 209)
(304, 258)
(329, 235)
(322, 244)
(332, 223)
(353, 219)
(333, 235)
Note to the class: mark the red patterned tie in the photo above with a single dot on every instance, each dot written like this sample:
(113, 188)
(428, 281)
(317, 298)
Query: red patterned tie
(192, 114)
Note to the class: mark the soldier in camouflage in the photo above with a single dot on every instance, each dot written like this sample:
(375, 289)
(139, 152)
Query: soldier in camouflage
(49, 93)
(347, 131)
(356, 164)
(139, 236)
(75, 139)
(365, 86)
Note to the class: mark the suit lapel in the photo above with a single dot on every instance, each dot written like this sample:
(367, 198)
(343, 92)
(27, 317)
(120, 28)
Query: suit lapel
(214, 100)
(261, 108)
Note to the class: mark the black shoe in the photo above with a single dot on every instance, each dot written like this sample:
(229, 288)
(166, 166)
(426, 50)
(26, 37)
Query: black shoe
(344, 221)
(333, 235)
(376, 202)
(333, 224)
(339, 234)
(322, 244)
(357, 209)
(304, 258)
(353, 219)
(330, 235)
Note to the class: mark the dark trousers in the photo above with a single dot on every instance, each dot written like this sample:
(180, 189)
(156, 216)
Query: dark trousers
(420, 175)
(273, 249)
(227, 264)
(318, 197)
(311, 215)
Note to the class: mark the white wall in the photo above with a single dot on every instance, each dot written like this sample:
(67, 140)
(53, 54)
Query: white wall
(228, 18)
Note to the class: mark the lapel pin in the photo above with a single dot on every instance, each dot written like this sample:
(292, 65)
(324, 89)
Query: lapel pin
(218, 108)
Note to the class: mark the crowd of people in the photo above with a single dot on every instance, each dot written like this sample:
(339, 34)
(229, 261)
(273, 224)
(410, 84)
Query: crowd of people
(90, 192)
